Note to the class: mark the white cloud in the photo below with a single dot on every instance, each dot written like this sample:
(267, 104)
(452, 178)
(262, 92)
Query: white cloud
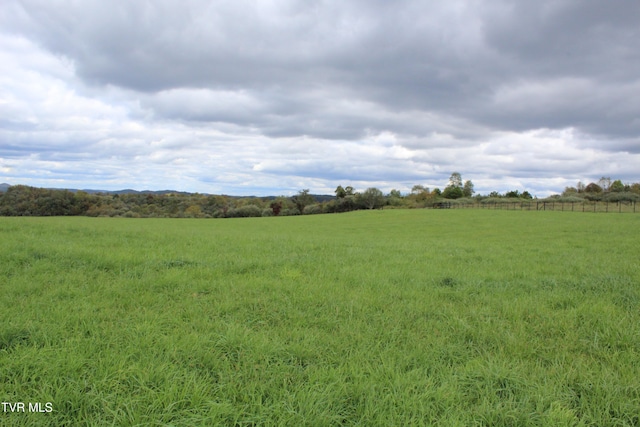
(230, 97)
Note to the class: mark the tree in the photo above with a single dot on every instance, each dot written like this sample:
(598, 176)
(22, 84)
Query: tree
(605, 183)
(593, 188)
(276, 207)
(340, 192)
(467, 189)
(418, 189)
(302, 199)
(193, 211)
(395, 193)
(452, 192)
(372, 198)
(394, 198)
(455, 180)
(617, 186)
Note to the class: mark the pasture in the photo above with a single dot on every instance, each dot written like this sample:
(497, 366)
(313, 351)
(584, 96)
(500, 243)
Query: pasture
(396, 317)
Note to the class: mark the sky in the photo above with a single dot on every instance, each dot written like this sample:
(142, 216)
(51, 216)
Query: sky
(268, 97)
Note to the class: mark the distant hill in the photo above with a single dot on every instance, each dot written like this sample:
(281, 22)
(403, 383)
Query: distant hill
(318, 197)
(130, 191)
(5, 186)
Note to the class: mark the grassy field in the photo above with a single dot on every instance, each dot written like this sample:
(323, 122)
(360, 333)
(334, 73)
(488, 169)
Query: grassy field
(401, 317)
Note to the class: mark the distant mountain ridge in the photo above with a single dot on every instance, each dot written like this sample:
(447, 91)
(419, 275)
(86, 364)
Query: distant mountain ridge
(128, 191)
(319, 197)
(4, 187)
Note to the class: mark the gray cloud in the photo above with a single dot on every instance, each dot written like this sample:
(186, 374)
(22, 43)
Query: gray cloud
(232, 94)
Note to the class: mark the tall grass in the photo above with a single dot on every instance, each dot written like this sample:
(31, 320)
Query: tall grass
(404, 317)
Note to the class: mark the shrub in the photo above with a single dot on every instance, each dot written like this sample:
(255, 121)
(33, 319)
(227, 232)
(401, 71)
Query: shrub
(244, 212)
(312, 209)
(289, 212)
(621, 197)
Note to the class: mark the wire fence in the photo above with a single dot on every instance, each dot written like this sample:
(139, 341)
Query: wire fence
(586, 206)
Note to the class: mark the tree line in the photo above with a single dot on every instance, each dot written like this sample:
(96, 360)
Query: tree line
(605, 189)
(22, 200)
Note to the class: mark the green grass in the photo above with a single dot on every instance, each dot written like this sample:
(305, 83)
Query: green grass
(402, 317)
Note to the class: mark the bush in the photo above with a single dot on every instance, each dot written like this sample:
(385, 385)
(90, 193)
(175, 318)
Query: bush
(621, 197)
(566, 199)
(346, 204)
(593, 197)
(244, 212)
(494, 200)
(312, 209)
(289, 212)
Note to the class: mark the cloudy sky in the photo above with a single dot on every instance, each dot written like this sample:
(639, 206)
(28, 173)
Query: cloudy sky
(270, 97)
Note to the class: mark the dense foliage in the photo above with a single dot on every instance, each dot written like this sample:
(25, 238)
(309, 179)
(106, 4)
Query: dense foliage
(21, 200)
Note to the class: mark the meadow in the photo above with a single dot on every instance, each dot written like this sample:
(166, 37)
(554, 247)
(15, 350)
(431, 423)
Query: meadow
(394, 317)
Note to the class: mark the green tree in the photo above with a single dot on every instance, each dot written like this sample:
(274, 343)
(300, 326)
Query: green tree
(452, 192)
(394, 198)
(420, 193)
(340, 192)
(194, 211)
(455, 180)
(467, 189)
(372, 198)
(302, 199)
(419, 189)
(617, 186)
(593, 188)
(395, 193)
